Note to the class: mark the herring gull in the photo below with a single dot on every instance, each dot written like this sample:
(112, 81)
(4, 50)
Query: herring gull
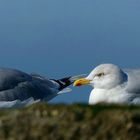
(112, 84)
(19, 89)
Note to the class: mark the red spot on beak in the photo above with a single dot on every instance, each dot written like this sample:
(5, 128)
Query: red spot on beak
(78, 84)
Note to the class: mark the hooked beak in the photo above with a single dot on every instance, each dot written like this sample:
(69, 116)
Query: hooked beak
(81, 82)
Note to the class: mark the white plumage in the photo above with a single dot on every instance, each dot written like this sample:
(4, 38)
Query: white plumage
(113, 85)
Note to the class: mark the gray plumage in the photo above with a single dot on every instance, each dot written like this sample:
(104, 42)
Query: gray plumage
(133, 84)
(20, 89)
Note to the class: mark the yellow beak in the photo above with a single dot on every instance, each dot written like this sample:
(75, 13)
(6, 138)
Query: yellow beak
(81, 82)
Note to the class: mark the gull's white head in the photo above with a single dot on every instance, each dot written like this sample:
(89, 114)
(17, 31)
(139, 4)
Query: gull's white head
(104, 76)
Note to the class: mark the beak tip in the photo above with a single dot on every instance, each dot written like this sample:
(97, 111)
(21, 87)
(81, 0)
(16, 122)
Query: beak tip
(81, 82)
(77, 84)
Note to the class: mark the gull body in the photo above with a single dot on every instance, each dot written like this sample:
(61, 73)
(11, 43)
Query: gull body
(112, 84)
(19, 89)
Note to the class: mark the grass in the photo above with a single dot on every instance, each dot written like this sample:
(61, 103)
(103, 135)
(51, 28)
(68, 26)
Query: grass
(66, 122)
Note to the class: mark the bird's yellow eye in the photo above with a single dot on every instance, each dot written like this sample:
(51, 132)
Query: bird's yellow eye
(100, 74)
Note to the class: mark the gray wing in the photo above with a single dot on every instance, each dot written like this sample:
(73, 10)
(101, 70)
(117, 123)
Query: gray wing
(133, 84)
(17, 85)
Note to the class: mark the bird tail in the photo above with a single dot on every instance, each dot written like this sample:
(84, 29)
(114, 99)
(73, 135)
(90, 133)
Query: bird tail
(67, 81)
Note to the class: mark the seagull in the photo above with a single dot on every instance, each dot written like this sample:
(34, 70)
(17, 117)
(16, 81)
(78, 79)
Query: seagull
(19, 89)
(112, 84)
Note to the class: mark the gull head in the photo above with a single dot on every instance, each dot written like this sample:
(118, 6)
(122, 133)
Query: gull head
(104, 76)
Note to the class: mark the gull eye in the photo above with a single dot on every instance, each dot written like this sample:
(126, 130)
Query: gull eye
(100, 74)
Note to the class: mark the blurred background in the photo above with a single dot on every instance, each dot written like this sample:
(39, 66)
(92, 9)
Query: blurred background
(58, 38)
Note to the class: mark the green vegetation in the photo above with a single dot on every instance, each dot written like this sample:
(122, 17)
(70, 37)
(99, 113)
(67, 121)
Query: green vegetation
(71, 122)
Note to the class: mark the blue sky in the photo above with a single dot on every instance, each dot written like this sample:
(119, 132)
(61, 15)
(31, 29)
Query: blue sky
(58, 38)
